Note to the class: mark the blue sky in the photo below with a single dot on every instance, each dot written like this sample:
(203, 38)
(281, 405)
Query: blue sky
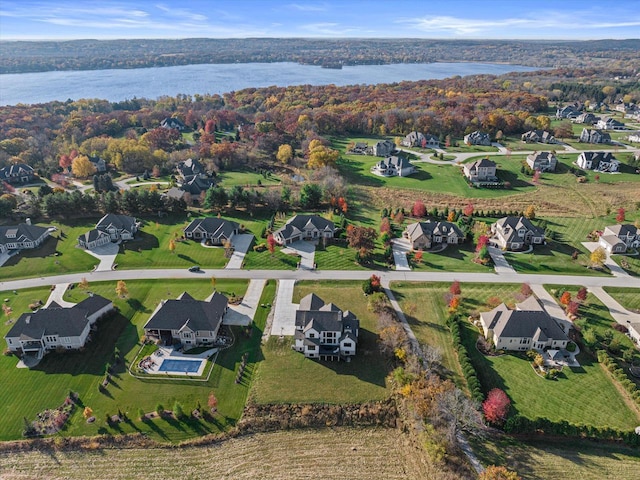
(510, 19)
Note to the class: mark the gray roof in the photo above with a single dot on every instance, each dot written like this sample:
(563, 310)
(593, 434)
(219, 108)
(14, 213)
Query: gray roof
(519, 222)
(91, 236)
(16, 169)
(541, 156)
(311, 302)
(64, 322)
(217, 227)
(120, 222)
(536, 323)
(185, 311)
(314, 313)
(190, 167)
(21, 233)
(623, 230)
(597, 157)
(429, 228)
(196, 184)
(397, 162)
(297, 225)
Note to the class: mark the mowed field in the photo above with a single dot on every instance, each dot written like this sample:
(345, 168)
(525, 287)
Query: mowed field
(303, 454)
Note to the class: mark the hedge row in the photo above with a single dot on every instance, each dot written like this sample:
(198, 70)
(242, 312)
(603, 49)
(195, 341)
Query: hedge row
(469, 372)
(523, 425)
(619, 374)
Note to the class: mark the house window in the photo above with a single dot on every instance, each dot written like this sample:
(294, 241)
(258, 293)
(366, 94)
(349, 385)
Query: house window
(311, 347)
(347, 345)
(312, 335)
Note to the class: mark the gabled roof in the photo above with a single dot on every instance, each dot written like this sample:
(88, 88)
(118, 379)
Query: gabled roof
(394, 161)
(544, 156)
(91, 236)
(313, 313)
(598, 156)
(196, 184)
(16, 169)
(623, 230)
(185, 312)
(516, 223)
(536, 324)
(429, 228)
(216, 227)
(190, 167)
(120, 222)
(311, 302)
(297, 224)
(21, 233)
(64, 322)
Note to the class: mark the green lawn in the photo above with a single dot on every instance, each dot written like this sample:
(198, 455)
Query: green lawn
(579, 394)
(630, 263)
(287, 376)
(547, 458)
(27, 392)
(629, 298)
(336, 257)
(553, 258)
(246, 178)
(268, 261)
(44, 261)
(452, 259)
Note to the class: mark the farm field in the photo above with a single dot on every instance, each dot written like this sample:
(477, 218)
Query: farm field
(284, 376)
(276, 455)
(546, 458)
(47, 385)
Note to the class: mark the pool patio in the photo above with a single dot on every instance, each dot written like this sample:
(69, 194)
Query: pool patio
(154, 363)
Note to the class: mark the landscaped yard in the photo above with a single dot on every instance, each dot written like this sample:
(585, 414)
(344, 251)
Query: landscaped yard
(27, 392)
(336, 257)
(554, 258)
(578, 395)
(453, 259)
(286, 376)
(246, 178)
(44, 261)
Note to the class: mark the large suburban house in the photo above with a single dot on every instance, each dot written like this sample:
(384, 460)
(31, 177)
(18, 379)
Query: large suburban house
(542, 161)
(538, 136)
(56, 327)
(527, 327)
(324, 331)
(594, 136)
(189, 167)
(383, 148)
(477, 138)
(187, 321)
(634, 137)
(586, 118)
(417, 139)
(172, 122)
(609, 124)
(17, 173)
(304, 227)
(516, 233)
(570, 111)
(110, 228)
(422, 235)
(481, 171)
(99, 164)
(600, 161)
(620, 238)
(393, 167)
(216, 230)
(22, 236)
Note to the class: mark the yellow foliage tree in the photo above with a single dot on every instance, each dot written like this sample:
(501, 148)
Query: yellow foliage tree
(84, 283)
(87, 412)
(285, 153)
(322, 156)
(121, 289)
(530, 212)
(172, 245)
(598, 256)
(82, 167)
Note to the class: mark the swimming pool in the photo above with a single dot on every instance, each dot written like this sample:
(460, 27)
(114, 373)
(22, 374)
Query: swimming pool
(180, 366)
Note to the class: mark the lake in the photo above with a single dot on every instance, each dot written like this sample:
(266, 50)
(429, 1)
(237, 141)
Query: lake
(116, 85)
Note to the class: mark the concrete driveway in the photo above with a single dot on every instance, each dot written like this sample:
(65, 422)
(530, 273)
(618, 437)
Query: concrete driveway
(306, 250)
(284, 317)
(241, 243)
(56, 296)
(106, 254)
(617, 311)
(401, 248)
(551, 306)
(501, 264)
(244, 313)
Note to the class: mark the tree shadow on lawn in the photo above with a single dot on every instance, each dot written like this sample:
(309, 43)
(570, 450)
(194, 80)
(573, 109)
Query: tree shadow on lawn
(137, 306)
(513, 179)
(353, 171)
(186, 258)
(47, 249)
(96, 354)
(155, 428)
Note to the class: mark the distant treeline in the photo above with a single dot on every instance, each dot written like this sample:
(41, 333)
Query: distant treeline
(22, 57)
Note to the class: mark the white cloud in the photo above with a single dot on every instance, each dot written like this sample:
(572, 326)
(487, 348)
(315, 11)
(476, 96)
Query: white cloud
(308, 8)
(182, 13)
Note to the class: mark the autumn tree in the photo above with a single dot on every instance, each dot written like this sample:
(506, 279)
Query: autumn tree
(494, 472)
(418, 209)
(385, 225)
(418, 256)
(455, 289)
(454, 303)
(582, 294)
(573, 307)
(530, 212)
(213, 282)
(82, 167)
(84, 283)
(285, 153)
(565, 298)
(468, 210)
(496, 406)
(7, 310)
(121, 289)
(271, 244)
(452, 216)
(620, 217)
(342, 204)
(322, 156)
(399, 218)
(525, 290)
(172, 245)
(212, 402)
(536, 177)
(361, 238)
(598, 257)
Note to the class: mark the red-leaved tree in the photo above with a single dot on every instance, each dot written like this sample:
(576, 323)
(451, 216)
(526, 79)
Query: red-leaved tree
(455, 288)
(418, 209)
(483, 241)
(418, 256)
(525, 290)
(468, 210)
(582, 294)
(573, 307)
(271, 244)
(496, 406)
(565, 298)
(620, 216)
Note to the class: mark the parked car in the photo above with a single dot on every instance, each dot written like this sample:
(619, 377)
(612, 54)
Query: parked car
(195, 268)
